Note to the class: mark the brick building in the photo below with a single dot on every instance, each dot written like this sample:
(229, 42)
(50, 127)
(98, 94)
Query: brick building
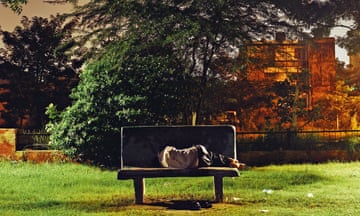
(354, 62)
(275, 60)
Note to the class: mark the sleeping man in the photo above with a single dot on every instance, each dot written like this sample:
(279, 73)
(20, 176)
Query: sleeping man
(195, 157)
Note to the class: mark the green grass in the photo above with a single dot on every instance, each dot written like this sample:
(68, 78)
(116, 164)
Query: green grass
(72, 189)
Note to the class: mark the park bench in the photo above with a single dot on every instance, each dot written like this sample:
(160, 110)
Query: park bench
(141, 144)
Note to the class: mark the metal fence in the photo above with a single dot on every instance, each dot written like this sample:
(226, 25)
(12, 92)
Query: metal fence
(246, 141)
(36, 140)
(299, 140)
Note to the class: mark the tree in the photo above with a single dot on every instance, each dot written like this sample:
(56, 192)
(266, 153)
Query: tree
(340, 108)
(17, 98)
(89, 129)
(291, 104)
(348, 18)
(167, 50)
(15, 5)
(122, 87)
(318, 16)
(41, 70)
(197, 31)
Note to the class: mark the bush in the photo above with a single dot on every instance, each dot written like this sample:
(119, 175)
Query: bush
(89, 129)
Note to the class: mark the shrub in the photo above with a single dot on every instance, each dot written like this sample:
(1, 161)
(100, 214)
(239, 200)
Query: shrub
(89, 129)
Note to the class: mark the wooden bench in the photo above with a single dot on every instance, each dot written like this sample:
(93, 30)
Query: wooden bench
(140, 146)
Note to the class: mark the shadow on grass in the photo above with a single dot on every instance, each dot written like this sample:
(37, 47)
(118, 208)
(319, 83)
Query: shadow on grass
(93, 205)
(182, 204)
(114, 205)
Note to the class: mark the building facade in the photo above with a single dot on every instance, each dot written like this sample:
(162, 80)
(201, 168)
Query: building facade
(277, 59)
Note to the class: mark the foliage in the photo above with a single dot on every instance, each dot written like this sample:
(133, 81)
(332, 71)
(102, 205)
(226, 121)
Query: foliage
(198, 33)
(169, 61)
(18, 95)
(157, 77)
(38, 70)
(291, 102)
(348, 19)
(122, 87)
(353, 144)
(252, 100)
(15, 5)
(90, 128)
(34, 47)
(342, 107)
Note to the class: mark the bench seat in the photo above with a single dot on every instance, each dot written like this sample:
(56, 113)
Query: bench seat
(134, 172)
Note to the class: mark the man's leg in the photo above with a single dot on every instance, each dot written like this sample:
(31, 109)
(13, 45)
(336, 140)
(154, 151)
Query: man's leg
(208, 158)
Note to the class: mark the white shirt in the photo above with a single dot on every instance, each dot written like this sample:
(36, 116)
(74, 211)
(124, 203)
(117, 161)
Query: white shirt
(171, 157)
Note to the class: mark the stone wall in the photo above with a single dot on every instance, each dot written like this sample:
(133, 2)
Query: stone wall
(8, 149)
(7, 142)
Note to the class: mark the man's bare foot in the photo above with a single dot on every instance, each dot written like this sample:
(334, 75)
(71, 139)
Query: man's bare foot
(235, 164)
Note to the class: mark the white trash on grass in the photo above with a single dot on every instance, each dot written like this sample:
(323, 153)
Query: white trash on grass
(268, 191)
(236, 198)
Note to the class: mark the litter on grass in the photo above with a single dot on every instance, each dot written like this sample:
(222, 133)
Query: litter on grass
(268, 191)
(236, 198)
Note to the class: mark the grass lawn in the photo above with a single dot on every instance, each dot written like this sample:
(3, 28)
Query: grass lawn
(72, 189)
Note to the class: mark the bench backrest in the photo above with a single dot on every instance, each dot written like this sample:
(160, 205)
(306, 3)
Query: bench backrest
(141, 144)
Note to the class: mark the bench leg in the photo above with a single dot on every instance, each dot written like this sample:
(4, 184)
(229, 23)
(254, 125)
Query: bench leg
(218, 184)
(139, 185)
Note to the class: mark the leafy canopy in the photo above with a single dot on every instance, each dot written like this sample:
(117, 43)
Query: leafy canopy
(155, 58)
(89, 128)
(38, 69)
(197, 33)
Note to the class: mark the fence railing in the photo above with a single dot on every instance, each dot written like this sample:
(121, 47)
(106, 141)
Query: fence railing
(246, 141)
(36, 140)
(299, 140)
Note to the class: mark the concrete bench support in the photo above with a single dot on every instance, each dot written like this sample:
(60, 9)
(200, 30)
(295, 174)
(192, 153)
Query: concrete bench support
(139, 186)
(218, 188)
